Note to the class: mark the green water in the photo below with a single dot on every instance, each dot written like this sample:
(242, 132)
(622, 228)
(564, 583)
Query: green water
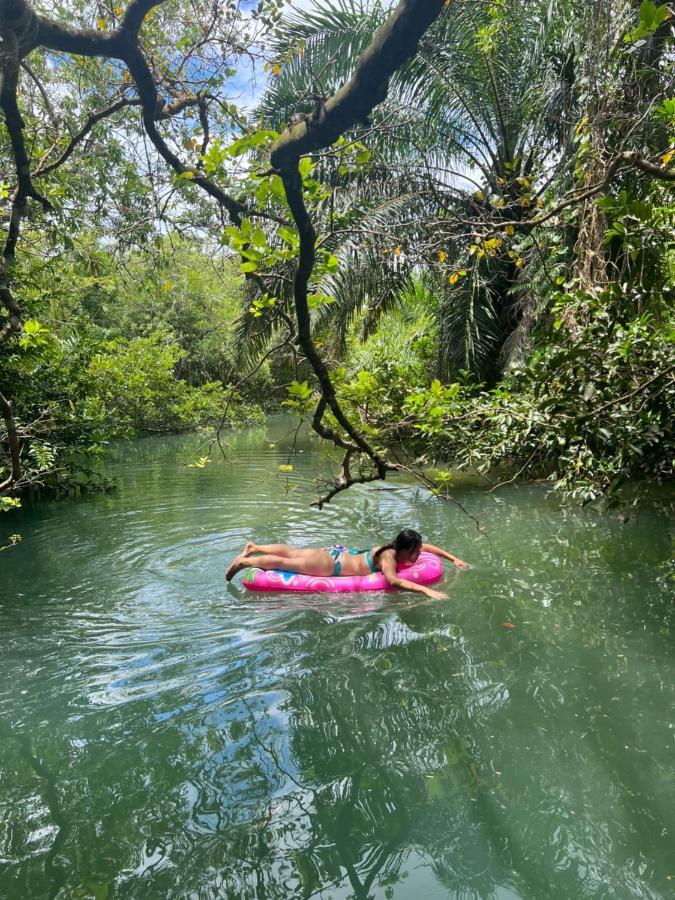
(164, 735)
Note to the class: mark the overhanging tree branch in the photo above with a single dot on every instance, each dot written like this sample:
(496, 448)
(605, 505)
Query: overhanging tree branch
(152, 109)
(94, 119)
(14, 448)
(627, 157)
(87, 42)
(393, 44)
(10, 304)
(293, 187)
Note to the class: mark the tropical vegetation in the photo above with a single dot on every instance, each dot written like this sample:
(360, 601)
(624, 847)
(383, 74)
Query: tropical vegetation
(472, 270)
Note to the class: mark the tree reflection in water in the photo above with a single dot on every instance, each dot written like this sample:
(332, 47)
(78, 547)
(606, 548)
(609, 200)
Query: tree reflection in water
(166, 743)
(385, 765)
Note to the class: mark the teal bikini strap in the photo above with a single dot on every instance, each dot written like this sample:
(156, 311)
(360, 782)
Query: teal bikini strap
(371, 565)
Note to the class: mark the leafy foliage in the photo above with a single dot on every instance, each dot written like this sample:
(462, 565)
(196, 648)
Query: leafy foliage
(589, 411)
(102, 352)
(470, 310)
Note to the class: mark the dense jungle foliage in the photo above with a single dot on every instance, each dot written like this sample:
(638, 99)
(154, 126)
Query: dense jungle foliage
(494, 278)
(111, 350)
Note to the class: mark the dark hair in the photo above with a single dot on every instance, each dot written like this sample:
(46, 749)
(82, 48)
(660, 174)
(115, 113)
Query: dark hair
(408, 539)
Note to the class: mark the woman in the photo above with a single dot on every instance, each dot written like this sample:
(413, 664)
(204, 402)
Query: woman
(339, 560)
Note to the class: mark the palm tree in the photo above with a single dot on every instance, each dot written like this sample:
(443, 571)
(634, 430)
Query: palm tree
(484, 109)
(497, 82)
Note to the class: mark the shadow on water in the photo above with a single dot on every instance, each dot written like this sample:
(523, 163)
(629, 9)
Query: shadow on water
(167, 735)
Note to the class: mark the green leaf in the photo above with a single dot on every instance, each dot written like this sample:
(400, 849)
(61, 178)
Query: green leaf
(199, 463)
(305, 166)
(289, 236)
(332, 263)
(258, 238)
(316, 300)
(251, 142)
(651, 16)
(666, 111)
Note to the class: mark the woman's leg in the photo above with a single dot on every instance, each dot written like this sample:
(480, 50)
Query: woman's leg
(273, 549)
(304, 562)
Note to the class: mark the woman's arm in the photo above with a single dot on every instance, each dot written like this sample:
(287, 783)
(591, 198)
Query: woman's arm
(388, 566)
(445, 555)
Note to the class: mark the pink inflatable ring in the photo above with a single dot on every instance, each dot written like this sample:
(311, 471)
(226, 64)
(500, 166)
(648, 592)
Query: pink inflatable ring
(427, 570)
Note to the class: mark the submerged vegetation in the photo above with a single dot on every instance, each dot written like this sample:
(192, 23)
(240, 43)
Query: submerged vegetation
(468, 262)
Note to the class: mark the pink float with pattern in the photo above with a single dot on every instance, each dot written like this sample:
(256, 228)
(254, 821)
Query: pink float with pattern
(427, 570)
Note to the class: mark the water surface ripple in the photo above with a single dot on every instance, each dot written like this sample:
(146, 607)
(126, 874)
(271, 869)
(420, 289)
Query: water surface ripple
(165, 735)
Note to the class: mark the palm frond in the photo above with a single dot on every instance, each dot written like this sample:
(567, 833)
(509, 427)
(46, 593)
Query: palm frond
(317, 54)
(469, 335)
(364, 284)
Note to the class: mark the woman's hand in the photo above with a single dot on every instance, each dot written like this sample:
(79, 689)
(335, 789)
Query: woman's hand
(436, 595)
(390, 573)
(438, 551)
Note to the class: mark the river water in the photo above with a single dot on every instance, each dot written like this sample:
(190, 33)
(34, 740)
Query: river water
(165, 735)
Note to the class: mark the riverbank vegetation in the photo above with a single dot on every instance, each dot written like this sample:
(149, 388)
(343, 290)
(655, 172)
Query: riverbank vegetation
(115, 348)
(463, 258)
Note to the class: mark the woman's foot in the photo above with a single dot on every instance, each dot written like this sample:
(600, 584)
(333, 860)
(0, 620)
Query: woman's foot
(249, 547)
(238, 563)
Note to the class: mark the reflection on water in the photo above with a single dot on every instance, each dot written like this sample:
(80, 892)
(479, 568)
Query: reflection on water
(166, 735)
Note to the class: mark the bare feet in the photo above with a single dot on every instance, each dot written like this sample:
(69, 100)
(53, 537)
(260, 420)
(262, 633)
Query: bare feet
(249, 547)
(238, 563)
